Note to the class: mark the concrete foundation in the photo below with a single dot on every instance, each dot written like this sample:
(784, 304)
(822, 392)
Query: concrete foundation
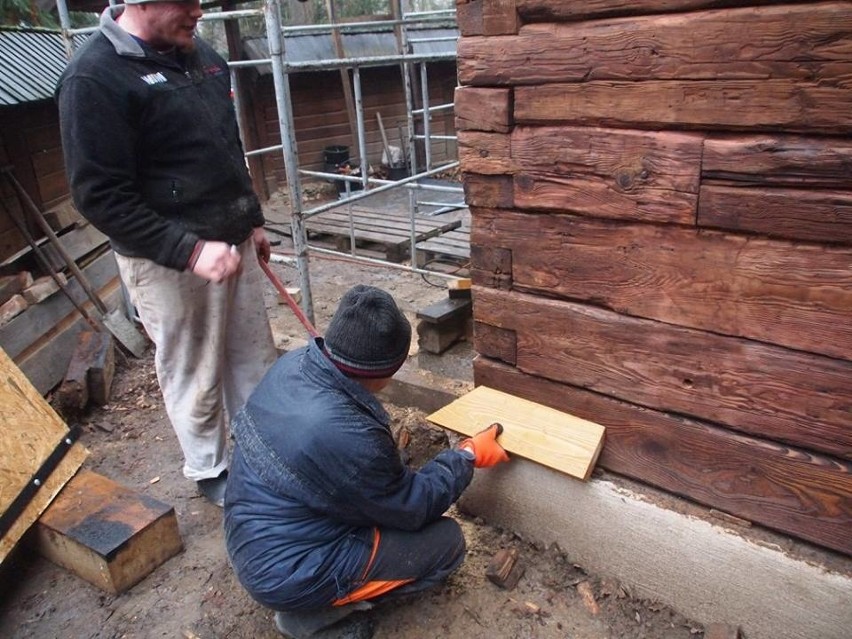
(700, 569)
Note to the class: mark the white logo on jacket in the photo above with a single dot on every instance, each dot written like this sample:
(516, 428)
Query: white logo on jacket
(154, 78)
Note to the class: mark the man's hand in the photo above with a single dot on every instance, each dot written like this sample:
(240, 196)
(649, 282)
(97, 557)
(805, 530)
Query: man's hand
(486, 451)
(217, 261)
(261, 244)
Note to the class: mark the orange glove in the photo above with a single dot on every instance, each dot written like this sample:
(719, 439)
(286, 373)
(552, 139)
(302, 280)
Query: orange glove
(486, 451)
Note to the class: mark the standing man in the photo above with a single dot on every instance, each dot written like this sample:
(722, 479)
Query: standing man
(155, 162)
(322, 518)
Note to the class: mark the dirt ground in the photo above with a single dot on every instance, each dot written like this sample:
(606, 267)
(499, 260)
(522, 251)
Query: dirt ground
(195, 594)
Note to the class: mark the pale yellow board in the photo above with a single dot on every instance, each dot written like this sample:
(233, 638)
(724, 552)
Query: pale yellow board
(29, 432)
(542, 434)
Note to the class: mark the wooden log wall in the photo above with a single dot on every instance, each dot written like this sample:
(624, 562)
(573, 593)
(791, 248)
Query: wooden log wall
(321, 120)
(661, 197)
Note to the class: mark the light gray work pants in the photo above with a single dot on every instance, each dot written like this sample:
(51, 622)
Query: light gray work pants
(213, 344)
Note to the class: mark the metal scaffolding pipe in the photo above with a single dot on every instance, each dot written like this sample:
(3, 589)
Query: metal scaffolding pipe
(427, 114)
(284, 103)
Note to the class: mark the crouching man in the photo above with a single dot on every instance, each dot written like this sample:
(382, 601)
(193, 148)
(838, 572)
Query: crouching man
(322, 518)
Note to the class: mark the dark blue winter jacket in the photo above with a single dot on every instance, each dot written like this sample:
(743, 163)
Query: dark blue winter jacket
(315, 469)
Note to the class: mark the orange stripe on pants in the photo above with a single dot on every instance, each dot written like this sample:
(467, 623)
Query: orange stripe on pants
(371, 589)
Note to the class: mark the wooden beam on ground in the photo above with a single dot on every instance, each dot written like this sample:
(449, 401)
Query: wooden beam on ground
(107, 534)
(550, 437)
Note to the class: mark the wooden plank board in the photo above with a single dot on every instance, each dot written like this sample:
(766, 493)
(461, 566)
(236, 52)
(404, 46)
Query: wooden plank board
(793, 295)
(771, 104)
(454, 245)
(26, 329)
(537, 432)
(754, 388)
(31, 431)
(388, 229)
(797, 42)
(786, 489)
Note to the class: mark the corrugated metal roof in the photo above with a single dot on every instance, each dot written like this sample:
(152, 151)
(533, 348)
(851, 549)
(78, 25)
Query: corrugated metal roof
(31, 62)
(308, 48)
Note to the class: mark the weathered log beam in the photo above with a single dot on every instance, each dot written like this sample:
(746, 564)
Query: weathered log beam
(792, 295)
(795, 42)
(758, 389)
(754, 105)
(782, 488)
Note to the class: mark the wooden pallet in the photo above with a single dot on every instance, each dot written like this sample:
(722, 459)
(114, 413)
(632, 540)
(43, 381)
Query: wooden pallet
(376, 230)
(451, 247)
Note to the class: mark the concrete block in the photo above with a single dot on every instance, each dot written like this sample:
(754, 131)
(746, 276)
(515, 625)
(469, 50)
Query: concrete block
(705, 572)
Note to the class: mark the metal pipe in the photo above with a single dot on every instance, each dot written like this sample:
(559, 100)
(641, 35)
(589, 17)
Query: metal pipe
(435, 39)
(427, 115)
(449, 106)
(65, 24)
(376, 262)
(436, 137)
(284, 103)
(360, 196)
(362, 135)
(367, 61)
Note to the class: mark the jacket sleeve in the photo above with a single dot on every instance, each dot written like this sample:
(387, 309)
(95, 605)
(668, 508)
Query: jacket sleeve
(384, 492)
(99, 135)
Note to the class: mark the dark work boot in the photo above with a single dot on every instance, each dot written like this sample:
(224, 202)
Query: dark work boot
(328, 623)
(213, 488)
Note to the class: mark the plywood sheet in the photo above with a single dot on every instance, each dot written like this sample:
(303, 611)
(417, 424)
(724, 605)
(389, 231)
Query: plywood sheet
(30, 430)
(550, 437)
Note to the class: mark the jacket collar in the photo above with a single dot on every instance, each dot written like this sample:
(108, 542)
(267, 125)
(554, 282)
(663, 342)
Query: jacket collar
(123, 42)
(324, 371)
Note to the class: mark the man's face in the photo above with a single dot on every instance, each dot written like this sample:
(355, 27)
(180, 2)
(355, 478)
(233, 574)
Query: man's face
(172, 24)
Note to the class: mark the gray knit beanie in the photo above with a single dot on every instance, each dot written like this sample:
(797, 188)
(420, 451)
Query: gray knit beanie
(368, 335)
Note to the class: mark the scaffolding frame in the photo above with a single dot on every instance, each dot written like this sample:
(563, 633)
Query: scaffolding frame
(276, 35)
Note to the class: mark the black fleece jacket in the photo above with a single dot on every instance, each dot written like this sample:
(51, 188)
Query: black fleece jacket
(152, 147)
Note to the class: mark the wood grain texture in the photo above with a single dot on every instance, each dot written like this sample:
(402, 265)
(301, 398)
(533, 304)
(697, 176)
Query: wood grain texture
(607, 172)
(576, 10)
(483, 109)
(491, 266)
(786, 489)
(499, 17)
(774, 393)
(532, 430)
(816, 216)
(794, 295)
(495, 342)
(488, 190)
(799, 42)
(779, 160)
(754, 105)
(484, 153)
(31, 432)
(469, 17)
(106, 533)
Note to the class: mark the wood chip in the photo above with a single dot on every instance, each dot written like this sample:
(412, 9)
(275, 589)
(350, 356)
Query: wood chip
(585, 590)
